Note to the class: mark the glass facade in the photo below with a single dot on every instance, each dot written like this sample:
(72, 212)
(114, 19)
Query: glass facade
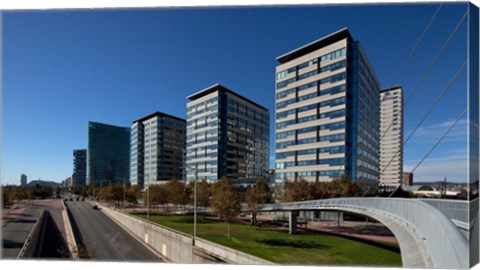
(79, 175)
(227, 135)
(157, 149)
(108, 154)
(327, 108)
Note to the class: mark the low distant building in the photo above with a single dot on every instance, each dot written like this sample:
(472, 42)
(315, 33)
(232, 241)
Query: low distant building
(23, 180)
(430, 191)
(407, 178)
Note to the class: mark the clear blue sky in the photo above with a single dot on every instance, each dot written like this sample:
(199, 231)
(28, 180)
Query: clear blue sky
(62, 69)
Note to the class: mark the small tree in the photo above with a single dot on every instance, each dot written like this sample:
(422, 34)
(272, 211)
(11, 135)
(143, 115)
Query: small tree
(21, 194)
(297, 190)
(58, 190)
(7, 195)
(319, 190)
(256, 196)
(343, 187)
(133, 194)
(176, 192)
(113, 192)
(158, 195)
(225, 201)
(204, 192)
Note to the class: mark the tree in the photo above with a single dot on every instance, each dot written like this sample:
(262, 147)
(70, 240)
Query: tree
(113, 192)
(176, 192)
(158, 195)
(133, 193)
(297, 190)
(225, 201)
(7, 194)
(21, 194)
(256, 196)
(343, 187)
(319, 190)
(58, 189)
(204, 192)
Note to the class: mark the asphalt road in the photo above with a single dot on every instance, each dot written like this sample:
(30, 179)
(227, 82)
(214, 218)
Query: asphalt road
(104, 239)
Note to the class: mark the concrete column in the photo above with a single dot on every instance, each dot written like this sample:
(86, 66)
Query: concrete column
(292, 222)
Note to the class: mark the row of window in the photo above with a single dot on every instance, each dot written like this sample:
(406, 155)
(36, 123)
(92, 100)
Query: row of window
(330, 150)
(329, 68)
(292, 175)
(202, 105)
(332, 114)
(327, 138)
(332, 79)
(328, 56)
(328, 161)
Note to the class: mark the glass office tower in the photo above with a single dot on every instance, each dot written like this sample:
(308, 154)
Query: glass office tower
(227, 135)
(79, 167)
(157, 149)
(327, 113)
(108, 154)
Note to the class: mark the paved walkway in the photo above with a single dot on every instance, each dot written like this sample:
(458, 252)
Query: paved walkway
(353, 229)
(18, 222)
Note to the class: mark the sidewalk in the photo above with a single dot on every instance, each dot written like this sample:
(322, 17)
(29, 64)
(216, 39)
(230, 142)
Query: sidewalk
(14, 212)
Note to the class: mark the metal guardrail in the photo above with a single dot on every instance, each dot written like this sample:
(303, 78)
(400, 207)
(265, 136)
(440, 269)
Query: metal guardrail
(29, 247)
(455, 209)
(444, 243)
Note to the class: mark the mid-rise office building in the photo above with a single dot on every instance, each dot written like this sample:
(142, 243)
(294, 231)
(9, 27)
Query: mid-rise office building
(327, 113)
(391, 136)
(23, 180)
(108, 154)
(79, 175)
(157, 149)
(227, 135)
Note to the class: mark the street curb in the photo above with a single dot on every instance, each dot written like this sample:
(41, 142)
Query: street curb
(71, 243)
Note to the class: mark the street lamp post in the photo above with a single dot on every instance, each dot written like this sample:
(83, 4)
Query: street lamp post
(148, 198)
(195, 205)
(124, 194)
(194, 201)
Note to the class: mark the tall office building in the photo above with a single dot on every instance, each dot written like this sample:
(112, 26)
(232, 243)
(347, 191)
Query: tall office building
(227, 135)
(23, 180)
(327, 113)
(157, 149)
(79, 175)
(391, 136)
(108, 154)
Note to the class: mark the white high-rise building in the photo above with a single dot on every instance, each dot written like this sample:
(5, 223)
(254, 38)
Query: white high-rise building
(391, 136)
(23, 180)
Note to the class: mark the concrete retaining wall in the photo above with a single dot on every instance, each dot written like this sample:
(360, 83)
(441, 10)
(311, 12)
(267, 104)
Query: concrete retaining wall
(29, 249)
(174, 246)
(229, 255)
(72, 244)
(178, 247)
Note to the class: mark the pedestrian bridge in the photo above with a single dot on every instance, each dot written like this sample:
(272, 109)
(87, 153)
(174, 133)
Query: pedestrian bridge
(427, 237)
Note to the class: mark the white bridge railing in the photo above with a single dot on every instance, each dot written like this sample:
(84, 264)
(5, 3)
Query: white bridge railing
(444, 243)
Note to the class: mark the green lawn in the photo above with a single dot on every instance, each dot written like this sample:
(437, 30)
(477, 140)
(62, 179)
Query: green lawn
(280, 247)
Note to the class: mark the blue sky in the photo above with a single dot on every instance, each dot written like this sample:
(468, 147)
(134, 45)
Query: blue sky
(62, 69)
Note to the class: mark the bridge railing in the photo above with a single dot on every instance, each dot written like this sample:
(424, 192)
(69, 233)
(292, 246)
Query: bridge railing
(454, 209)
(445, 245)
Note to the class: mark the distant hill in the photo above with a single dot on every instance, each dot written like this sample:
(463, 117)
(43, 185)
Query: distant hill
(42, 183)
